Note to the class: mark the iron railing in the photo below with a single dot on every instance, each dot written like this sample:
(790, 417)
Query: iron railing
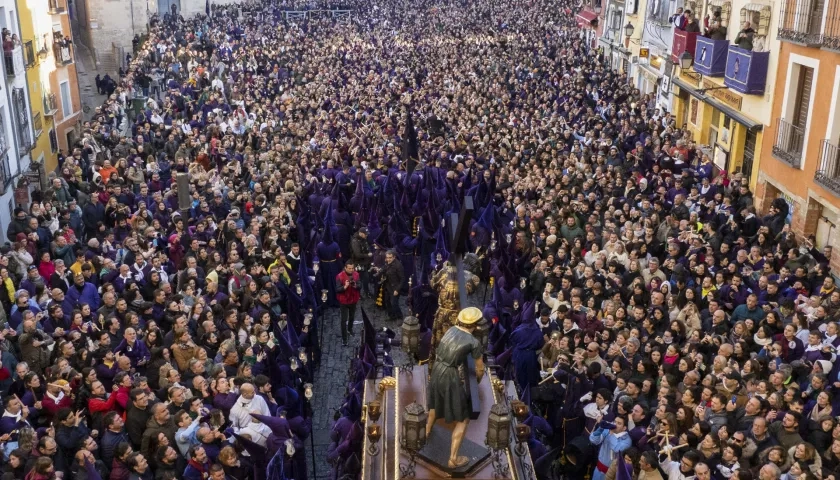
(799, 24)
(50, 104)
(828, 174)
(55, 7)
(5, 171)
(831, 32)
(789, 142)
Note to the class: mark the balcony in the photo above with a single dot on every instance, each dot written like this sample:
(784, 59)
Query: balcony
(831, 35)
(55, 7)
(683, 42)
(14, 62)
(800, 22)
(746, 71)
(710, 56)
(828, 174)
(63, 53)
(50, 105)
(788, 144)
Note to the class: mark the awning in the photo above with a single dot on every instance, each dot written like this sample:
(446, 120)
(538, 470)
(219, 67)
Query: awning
(718, 3)
(739, 117)
(585, 17)
(755, 7)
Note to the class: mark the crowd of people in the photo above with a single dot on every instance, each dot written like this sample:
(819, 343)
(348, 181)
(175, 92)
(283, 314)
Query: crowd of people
(656, 321)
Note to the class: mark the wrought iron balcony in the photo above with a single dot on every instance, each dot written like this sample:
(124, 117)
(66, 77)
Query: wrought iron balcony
(799, 24)
(831, 35)
(828, 174)
(50, 105)
(14, 61)
(789, 142)
(55, 7)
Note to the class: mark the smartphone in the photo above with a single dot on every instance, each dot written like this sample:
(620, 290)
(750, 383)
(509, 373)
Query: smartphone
(734, 399)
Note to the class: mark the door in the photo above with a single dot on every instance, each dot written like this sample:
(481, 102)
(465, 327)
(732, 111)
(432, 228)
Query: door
(66, 100)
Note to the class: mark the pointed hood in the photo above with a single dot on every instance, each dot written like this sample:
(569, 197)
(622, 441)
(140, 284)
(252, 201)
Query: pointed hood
(258, 453)
(329, 224)
(369, 332)
(441, 253)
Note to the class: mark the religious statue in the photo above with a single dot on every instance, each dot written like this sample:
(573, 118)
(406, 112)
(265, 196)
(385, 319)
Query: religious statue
(447, 393)
(445, 281)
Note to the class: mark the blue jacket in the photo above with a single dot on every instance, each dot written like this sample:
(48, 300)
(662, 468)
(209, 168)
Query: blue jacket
(87, 294)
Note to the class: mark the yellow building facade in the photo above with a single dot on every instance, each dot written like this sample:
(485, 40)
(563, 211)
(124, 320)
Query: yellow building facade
(724, 106)
(51, 76)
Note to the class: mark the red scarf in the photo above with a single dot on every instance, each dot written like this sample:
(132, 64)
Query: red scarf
(201, 467)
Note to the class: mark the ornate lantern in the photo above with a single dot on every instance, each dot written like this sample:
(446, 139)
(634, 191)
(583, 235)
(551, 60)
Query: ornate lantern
(410, 335)
(523, 433)
(498, 427)
(374, 433)
(316, 265)
(324, 295)
(414, 427)
(520, 410)
(307, 391)
(302, 355)
(374, 410)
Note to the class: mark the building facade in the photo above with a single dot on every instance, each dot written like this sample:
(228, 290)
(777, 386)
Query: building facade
(724, 93)
(801, 146)
(51, 77)
(16, 135)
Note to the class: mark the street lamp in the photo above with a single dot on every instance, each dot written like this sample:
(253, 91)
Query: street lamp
(413, 436)
(498, 437)
(629, 29)
(685, 60)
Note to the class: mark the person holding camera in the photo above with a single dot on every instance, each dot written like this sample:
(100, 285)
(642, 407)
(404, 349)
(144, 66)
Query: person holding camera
(347, 293)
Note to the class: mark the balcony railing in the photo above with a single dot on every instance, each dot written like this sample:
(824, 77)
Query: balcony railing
(50, 105)
(55, 7)
(831, 33)
(789, 142)
(800, 24)
(14, 61)
(828, 174)
(63, 53)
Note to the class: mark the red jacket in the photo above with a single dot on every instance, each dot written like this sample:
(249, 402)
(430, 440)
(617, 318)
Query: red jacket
(49, 406)
(349, 295)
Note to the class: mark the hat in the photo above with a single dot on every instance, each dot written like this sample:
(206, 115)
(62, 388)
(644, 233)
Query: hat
(238, 266)
(825, 365)
(469, 315)
(62, 383)
(31, 267)
(733, 375)
(363, 230)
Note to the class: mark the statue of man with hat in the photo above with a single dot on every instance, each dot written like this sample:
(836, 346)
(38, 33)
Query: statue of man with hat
(447, 393)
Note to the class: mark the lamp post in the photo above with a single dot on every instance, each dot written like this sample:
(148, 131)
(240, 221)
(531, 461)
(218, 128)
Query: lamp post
(412, 436)
(498, 438)
(410, 342)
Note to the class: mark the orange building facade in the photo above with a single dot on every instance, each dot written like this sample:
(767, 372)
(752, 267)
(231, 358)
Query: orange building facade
(801, 146)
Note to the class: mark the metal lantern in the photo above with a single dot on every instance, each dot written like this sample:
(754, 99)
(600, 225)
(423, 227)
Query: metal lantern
(685, 60)
(523, 282)
(410, 335)
(307, 391)
(324, 295)
(374, 433)
(498, 427)
(523, 433)
(374, 410)
(307, 319)
(414, 427)
(283, 321)
(482, 332)
(302, 355)
(316, 265)
(520, 409)
(299, 289)
(629, 29)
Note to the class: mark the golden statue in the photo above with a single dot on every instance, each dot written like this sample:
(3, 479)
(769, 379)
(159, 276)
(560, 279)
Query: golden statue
(445, 281)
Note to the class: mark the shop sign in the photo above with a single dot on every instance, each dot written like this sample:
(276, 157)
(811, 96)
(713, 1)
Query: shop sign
(725, 95)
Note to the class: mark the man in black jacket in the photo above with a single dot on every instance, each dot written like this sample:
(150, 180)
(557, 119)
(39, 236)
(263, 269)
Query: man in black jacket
(114, 434)
(392, 280)
(137, 415)
(362, 256)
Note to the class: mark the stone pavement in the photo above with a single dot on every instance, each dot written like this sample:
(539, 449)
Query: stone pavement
(86, 74)
(331, 376)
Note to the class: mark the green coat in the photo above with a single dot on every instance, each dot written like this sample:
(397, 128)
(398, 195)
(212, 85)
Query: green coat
(447, 395)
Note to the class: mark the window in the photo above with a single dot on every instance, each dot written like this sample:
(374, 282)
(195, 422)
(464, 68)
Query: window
(38, 124)
(792, 126)
(66, 99)
(658, 11)
(759, 17)
(803, 97)
(749, 154)
(721, 7)
(801, 21)
(29, 53)
(53, 141)
(21, 120)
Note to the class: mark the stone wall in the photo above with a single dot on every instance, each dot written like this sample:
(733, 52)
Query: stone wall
(111, 23)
